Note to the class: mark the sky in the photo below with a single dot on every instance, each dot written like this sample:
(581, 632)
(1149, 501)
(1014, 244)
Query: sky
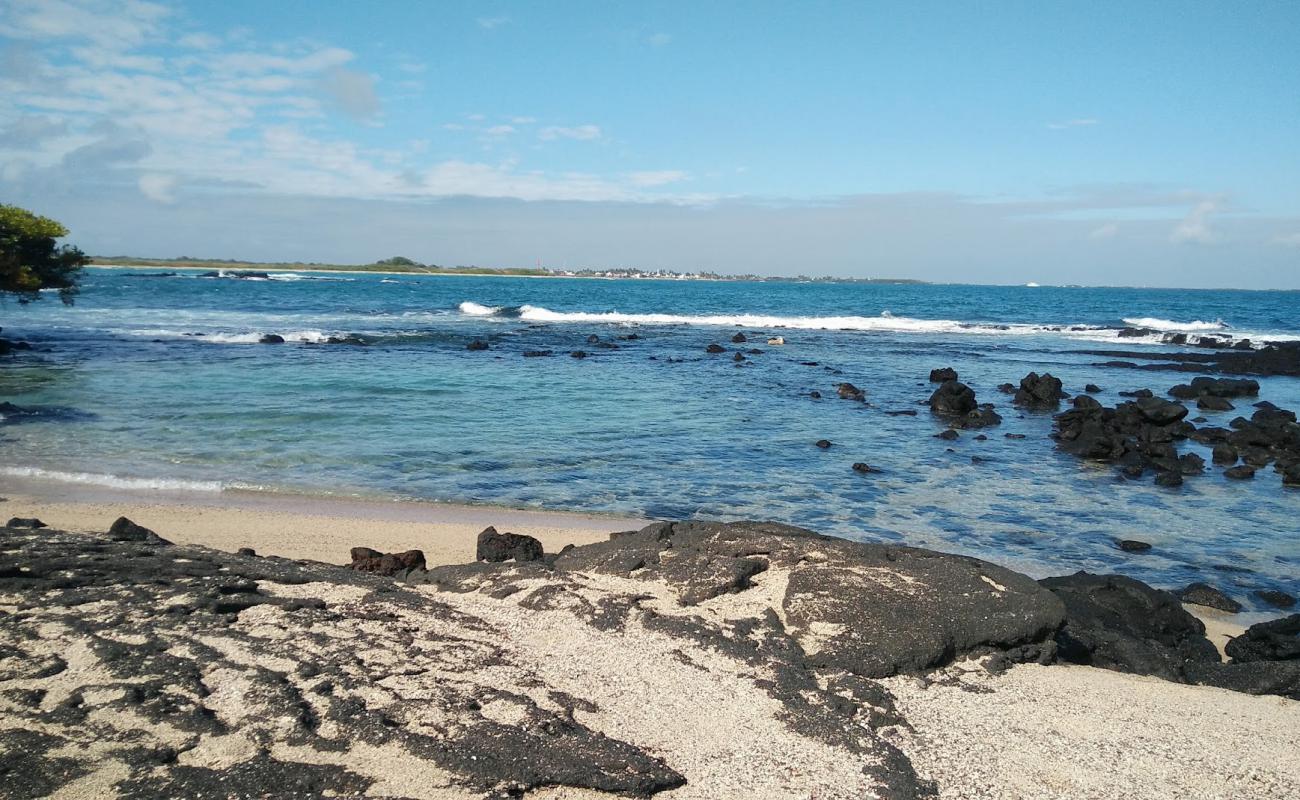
(1132, 143)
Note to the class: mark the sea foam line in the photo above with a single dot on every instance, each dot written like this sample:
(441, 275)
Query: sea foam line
(115, 481)
(884, 322)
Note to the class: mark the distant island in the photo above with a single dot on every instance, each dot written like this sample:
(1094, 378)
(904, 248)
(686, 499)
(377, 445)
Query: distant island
(403, 264)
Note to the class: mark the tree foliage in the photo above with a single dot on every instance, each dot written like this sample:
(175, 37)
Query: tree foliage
(31, 259)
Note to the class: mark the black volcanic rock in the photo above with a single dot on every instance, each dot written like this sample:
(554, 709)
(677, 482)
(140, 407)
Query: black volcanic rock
(364, 559)
(848, 391)
(1212, 403)
(124, 530)
(30, 523)
(943, 374)
(953, 398)
(715, 349)
(493, 546)
(1275, 640)
(1039, 391)
(1122, 624)
(1132, 545)
(1275, 598)
(1203, 594)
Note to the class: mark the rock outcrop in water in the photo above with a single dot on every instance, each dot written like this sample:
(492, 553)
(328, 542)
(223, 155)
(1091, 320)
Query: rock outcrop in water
(1274, 358)
(956, 403)
(1039, 391)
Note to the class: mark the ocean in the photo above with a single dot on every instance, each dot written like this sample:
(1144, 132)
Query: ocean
(157, 380)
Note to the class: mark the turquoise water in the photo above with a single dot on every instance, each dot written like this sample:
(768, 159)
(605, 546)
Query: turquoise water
(165, 385)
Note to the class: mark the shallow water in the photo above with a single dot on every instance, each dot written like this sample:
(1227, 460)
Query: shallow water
(180, 395)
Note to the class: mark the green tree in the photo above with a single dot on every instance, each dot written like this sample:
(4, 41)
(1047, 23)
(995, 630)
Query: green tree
(31, 259)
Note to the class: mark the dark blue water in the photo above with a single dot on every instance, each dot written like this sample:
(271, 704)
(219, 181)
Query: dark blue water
(183, 396)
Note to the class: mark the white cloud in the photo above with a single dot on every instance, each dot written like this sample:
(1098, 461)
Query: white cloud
(238, 63)
(1195, 227)
(351, 91)
(109, 25)
(158, 187)
(1107, 231)
(1072, 123)
(658, 39)
(658, 177)
(580, 133)
(158, 111)
(488, 23)
(198, 41)
(29, 131)
(1288, 240)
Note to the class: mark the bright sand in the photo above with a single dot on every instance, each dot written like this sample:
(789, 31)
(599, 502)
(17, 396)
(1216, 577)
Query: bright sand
(298, 526)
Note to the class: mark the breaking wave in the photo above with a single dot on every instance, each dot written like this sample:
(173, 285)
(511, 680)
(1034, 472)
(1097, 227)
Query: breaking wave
(1196, 326)
(884, 322)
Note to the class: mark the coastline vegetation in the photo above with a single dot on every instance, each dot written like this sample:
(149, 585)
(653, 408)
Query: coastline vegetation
(32, 260)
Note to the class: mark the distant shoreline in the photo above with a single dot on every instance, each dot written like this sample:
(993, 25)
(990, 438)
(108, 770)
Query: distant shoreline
(491, 272)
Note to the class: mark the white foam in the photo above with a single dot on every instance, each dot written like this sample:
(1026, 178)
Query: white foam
(884, 322)
(304, 336)
(1171, 325)
(475, 310)
(113, 481)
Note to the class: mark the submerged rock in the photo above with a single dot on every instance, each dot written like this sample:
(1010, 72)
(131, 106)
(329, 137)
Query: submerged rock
(848, 391)
(1203, 594)
(1275, 598)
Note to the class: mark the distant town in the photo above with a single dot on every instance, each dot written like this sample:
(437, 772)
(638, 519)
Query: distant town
(407, 265)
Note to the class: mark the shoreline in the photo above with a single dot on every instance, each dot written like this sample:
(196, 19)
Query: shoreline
(300, 526)
(325, 527)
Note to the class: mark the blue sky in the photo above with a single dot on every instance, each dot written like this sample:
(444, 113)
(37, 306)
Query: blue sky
(999, 142)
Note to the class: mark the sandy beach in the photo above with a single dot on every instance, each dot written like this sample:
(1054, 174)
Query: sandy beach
(320, 528)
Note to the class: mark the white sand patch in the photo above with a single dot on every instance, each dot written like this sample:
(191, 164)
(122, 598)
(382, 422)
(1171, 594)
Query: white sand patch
(396, 772)
(219, 752)
(1078, 732)
(706, 718)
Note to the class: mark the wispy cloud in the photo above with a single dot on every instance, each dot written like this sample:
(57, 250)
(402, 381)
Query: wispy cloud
(583, 133)
(489, 23)
(1195, 227)
(1107, 231)
(351, 91)
(1073, 123)
(1287, 240)
(661, 177)
(129, 95)
(157, 187)
(659, 39)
